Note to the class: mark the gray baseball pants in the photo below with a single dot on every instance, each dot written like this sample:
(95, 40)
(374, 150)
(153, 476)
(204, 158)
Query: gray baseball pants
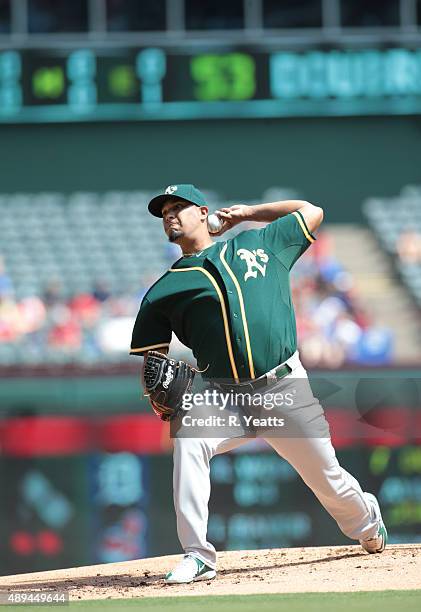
(312, 456)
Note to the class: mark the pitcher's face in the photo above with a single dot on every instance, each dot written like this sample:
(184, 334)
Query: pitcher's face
(181, 219)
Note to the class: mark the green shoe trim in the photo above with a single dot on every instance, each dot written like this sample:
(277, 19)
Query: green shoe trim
(383, 532)
(202, 567)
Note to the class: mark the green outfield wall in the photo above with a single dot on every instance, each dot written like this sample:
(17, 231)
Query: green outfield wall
(336, 162)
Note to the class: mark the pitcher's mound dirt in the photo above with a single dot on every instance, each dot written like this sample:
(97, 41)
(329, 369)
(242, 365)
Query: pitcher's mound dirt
(289, 570)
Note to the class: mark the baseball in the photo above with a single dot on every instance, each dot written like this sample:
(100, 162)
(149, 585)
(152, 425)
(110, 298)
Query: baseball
(214, 223)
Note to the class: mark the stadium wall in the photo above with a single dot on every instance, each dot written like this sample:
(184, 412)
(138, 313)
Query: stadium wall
(329, 161)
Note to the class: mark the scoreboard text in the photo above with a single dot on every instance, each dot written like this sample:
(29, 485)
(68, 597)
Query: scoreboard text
(154, 83)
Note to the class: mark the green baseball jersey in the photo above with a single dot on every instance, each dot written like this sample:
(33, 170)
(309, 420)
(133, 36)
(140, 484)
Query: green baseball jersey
(230, 304)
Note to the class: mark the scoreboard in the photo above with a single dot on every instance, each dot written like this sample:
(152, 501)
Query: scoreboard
(118, 506)
(152, 83)
(259, 501)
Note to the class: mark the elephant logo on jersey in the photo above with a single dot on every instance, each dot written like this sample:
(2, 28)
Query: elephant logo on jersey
(170, 189)
(253, 266)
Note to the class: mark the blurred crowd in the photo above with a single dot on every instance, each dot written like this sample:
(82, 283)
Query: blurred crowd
(96, 326)
(50, 327)
(333, 328)
(408, 247)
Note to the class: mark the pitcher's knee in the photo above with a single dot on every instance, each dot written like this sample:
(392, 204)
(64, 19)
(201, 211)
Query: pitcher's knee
(333, 490)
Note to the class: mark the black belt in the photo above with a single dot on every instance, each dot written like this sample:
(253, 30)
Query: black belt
(254, 385)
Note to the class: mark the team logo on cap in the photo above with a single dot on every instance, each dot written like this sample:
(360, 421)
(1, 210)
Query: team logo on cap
(170, 189)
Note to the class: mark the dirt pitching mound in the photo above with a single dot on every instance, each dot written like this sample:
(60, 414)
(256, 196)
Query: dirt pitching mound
(289, 570)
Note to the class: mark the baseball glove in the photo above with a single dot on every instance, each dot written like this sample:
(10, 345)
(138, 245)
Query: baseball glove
(166, 381)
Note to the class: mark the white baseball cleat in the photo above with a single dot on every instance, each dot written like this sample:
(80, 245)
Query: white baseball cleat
(378, 543)
(190, 569)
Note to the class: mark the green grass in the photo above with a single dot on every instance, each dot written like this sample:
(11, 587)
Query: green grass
(384, 601)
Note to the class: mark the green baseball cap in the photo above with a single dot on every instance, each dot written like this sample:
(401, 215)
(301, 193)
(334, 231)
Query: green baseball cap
(190, 193)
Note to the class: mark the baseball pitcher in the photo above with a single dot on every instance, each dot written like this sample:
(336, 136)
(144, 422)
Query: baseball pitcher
(230, 302)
